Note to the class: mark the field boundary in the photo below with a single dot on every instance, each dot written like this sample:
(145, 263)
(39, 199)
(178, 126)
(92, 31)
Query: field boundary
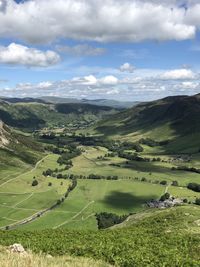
(75, 216)
(37, 215)
(30, 171)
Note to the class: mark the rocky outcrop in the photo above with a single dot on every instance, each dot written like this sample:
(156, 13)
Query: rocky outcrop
(4, 135)
(17, 248)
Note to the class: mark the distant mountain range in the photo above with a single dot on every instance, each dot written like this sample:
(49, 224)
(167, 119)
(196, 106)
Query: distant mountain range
(98, 102)
(176, 118)
(31, 114)
(59, 100)
(21, 100)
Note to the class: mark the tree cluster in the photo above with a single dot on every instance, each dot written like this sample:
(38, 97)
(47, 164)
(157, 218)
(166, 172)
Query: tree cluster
(194, 187)
(105, 220)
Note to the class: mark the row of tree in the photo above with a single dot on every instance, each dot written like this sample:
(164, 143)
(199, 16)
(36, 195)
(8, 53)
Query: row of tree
(185, 168)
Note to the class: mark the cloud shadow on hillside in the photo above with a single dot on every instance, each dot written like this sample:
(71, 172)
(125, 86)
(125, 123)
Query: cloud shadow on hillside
(121, 200)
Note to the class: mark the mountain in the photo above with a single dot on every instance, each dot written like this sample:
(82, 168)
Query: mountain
(98, 102)
(34, 115)
(22, 100)
(173, 118)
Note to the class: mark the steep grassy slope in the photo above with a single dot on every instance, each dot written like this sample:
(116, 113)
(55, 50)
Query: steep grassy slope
(34, 115)
(169, 238)
(173, 118)
(18, 146)
(17, 153)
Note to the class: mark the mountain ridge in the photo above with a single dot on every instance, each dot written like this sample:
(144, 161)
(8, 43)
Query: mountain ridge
(34, 115)
(175, 118)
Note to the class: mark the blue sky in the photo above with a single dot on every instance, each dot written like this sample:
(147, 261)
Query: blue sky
(130, 50)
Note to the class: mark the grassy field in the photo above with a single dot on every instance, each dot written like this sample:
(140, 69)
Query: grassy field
(88, 163)
(93, 196)
(19, 199)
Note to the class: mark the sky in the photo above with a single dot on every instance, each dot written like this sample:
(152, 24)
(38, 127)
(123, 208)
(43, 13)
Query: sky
(136, 50)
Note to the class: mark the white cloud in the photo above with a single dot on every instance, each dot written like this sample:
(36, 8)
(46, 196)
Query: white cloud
(45, 85)
(109, 80)
(92, 80)
(178, 74)
(189, 85)
(81, 50)
(127, 67)
(87, 80)
(41, 21)
(16, 54)
(142, 85)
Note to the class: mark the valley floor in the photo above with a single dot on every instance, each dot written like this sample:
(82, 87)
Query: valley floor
(20, 200)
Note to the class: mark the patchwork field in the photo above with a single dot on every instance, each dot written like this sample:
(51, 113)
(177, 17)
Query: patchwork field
(20, 200)
(93, 196)
(88, 163)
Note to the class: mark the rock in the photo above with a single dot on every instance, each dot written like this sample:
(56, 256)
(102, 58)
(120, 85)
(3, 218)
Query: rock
(49, 256)
(17, 248)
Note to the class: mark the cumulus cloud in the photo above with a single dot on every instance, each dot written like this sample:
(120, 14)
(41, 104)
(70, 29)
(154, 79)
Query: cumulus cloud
(16, 54)
(189, 85)
(92, 80)
(109, 80)
(142, 84)
(87, 80)
(81, 50)
(127, 67)
(41, 21)
(178, 74)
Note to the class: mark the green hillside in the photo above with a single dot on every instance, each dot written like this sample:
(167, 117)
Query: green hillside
(35, 115)
(107, 175)
(18, 152)
(165, 238)
(175, 119)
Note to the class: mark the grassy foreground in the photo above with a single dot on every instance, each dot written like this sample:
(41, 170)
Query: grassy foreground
(8, 259)
(169, 238)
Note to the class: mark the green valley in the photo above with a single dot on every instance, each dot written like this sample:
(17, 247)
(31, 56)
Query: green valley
(117, 171)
